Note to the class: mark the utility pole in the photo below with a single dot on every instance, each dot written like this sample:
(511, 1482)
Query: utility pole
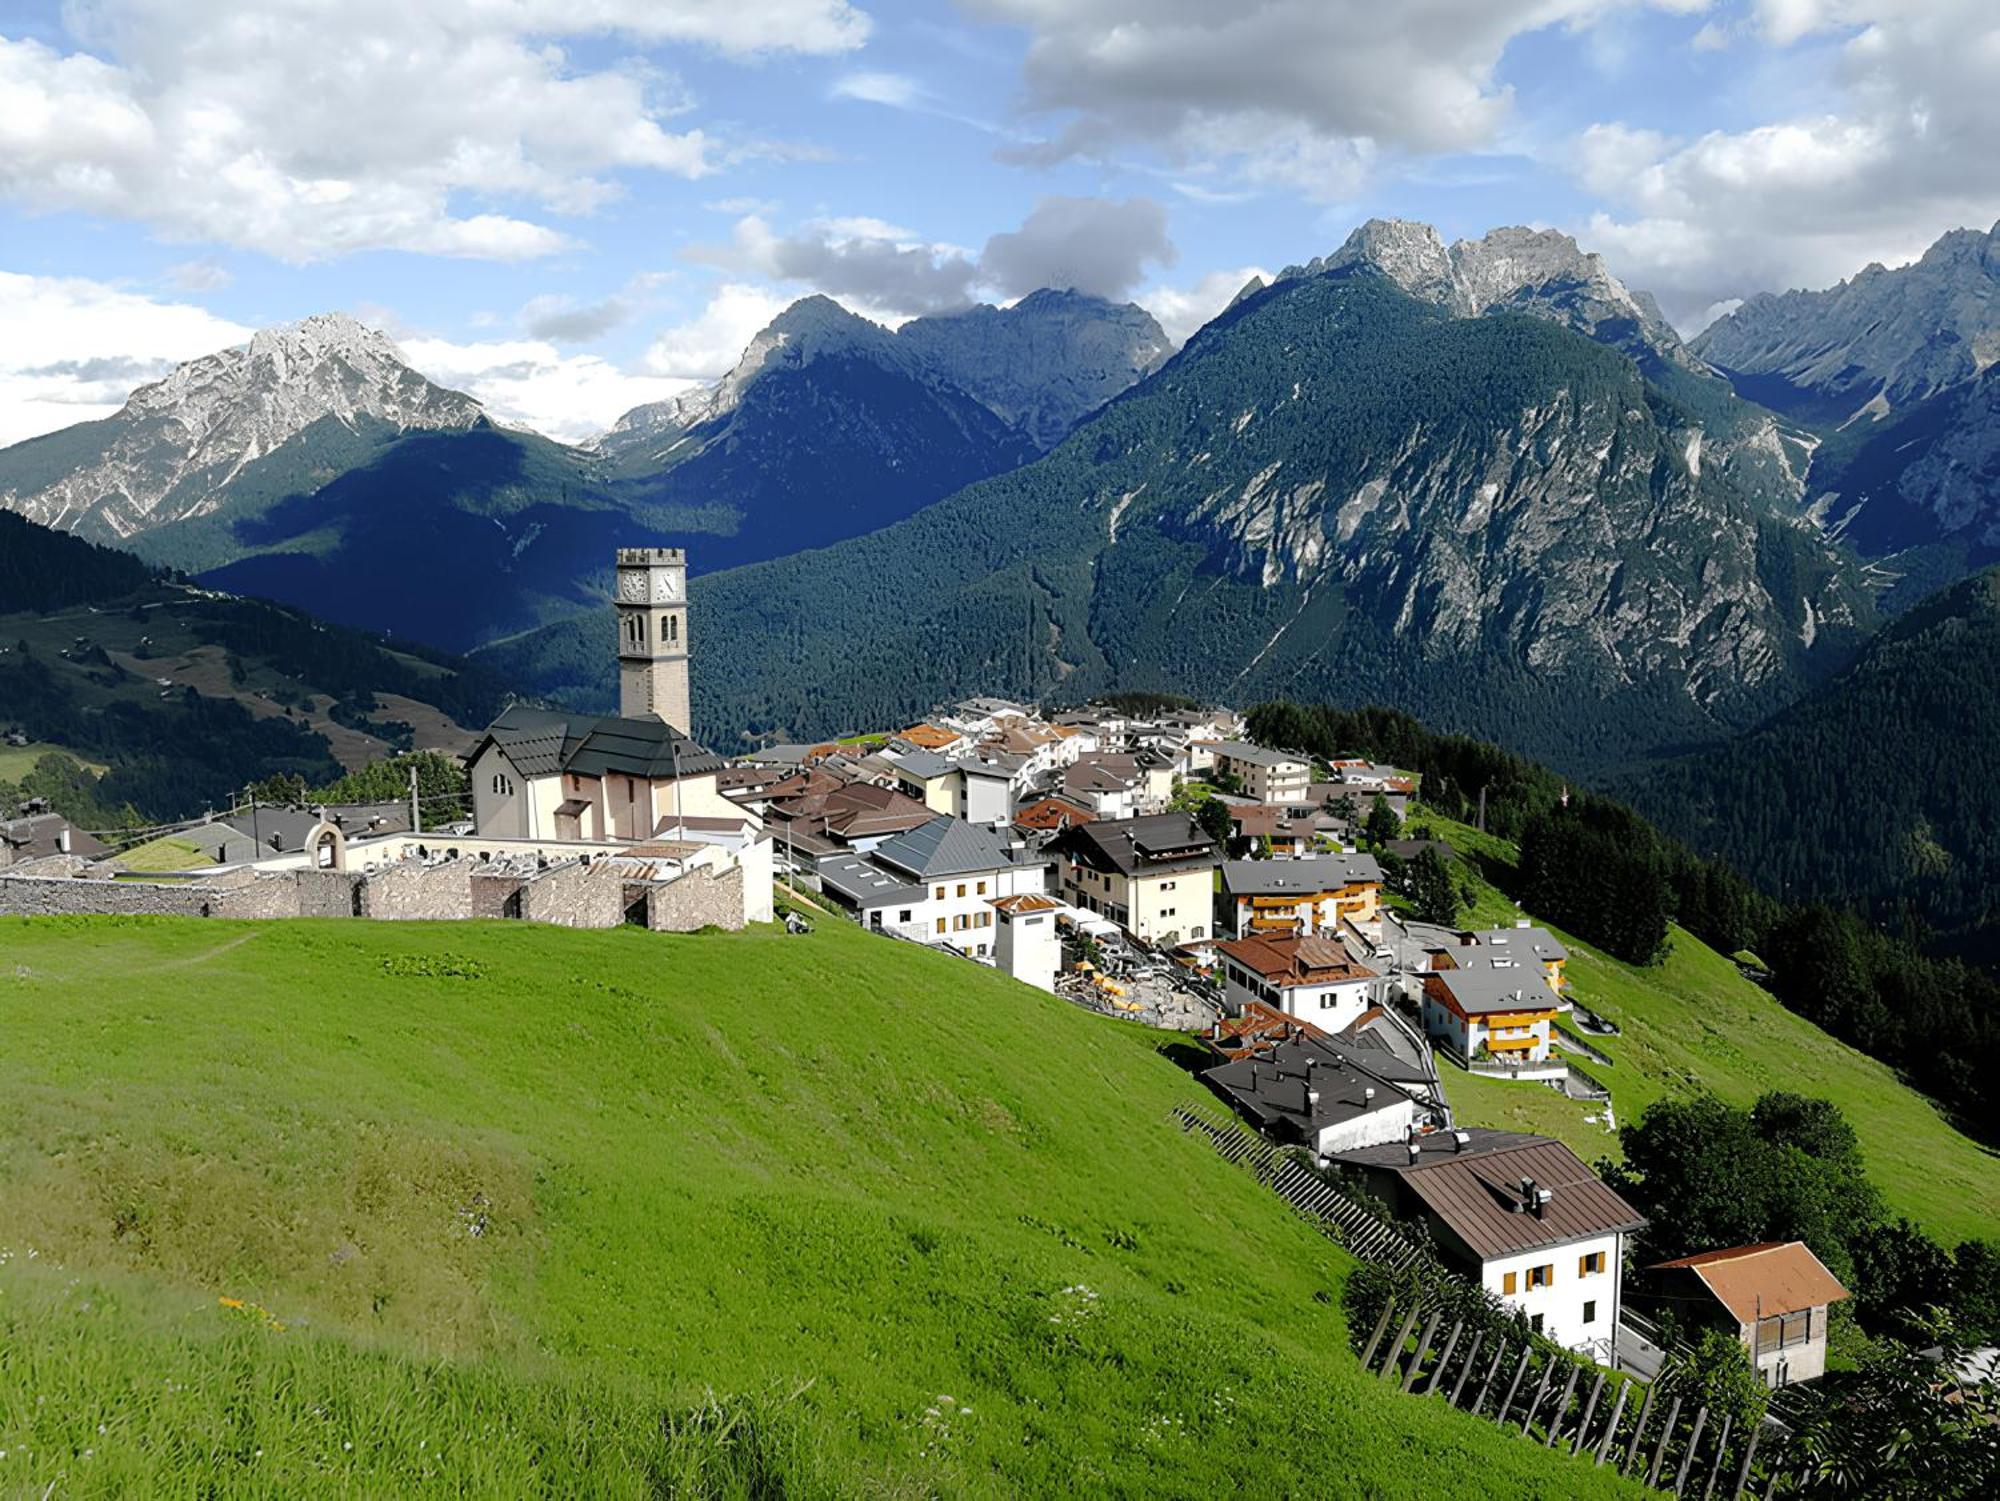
(416, 811)
(1482, 810)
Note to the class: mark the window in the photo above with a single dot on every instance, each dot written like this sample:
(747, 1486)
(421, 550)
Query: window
(1510, 1283)
(960, 923)
(502, 786)
(1199, 932)
(1166, 885)
(940, 924)
(1784, 1331)
(904, 915)
(1591, 1265)
(1542, 1276)
(1536, 1323)
(1590, 1311)
(673, 628)
(961, 888)
(940, 893)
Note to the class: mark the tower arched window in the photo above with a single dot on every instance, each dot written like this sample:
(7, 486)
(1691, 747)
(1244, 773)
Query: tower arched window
(673, 628)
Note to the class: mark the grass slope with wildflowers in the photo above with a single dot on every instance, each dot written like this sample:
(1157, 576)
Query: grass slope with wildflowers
(1694, 1022)
(491, 1209)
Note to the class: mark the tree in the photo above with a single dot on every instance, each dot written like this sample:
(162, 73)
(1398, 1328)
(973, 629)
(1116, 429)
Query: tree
(1213, 816)
(1433, 893)
(1701, 1173)
(1713, 1370)
(1383, 824)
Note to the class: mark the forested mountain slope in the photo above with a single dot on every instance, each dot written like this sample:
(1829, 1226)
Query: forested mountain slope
(1335, 489)
(1881, 789)
(185, 695)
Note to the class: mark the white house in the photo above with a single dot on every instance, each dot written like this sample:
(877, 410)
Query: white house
(1306, 1091)
(1773, 1297)
(1523, 1217)
(1507, 1014)
(934, 883)
(1311, 978)
(985, 791)
(1267, 775)
(1025, 942)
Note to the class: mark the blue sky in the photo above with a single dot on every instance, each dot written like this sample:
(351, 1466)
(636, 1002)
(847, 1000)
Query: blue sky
(569, 206)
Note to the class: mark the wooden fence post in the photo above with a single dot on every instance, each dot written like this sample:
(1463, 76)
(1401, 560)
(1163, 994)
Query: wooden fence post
(1660, 1446)
(1541, 1391)
(1632, 1449)
(1562, 1405)
(1499, 1354)
(1381, 1324)
(1687, 1459)
(1444, 1357)
(1721, 1453)
(1396, 1345)
(1589, 1412)
(1521, 1370)
(1423, 1349)
(1611, 1428)
(1743, 1470)
(1464, 1371)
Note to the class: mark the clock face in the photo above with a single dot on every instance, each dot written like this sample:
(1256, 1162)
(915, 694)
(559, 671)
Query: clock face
(632, 586)
(670, 587)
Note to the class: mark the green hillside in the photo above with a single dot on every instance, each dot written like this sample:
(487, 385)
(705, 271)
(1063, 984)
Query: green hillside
(545, 1212)
(1694, 1022)
(1881, 790)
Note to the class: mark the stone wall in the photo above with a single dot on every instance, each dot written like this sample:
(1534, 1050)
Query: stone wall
(415, 892)
(265, 896)
(58, 896)
(491, 891)
(325, 893)
(575, 895)
(699, 899)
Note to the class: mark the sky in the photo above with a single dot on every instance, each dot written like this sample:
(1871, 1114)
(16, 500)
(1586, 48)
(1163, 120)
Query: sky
(570, 207)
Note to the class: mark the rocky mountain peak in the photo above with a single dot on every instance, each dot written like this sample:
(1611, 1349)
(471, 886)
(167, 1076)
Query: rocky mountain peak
(1410, 254)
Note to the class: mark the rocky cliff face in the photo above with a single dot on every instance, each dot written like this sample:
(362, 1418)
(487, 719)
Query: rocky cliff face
(175, 449)
(1876, 343)
(1044, 363)
(1896, 369)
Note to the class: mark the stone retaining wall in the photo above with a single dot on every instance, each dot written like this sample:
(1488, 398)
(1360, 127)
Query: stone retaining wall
(699, 899)
(574, 895)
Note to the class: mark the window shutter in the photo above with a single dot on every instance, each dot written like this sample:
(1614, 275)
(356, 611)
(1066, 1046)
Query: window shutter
(1508, 1283)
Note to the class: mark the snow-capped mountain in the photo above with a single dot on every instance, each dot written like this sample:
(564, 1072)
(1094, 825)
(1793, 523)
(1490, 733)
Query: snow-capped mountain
(290, 409)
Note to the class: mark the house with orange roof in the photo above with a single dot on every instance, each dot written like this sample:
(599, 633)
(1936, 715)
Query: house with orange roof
(1313, 978)
(1773, 1296)
(931, 737)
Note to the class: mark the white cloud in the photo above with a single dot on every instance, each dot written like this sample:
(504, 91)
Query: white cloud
(1901, 151)
(75, 348)
(892, 89)
(705, 347)
(312, 128)
(1299, 94)
(1095, 245)
(1182, 310)
(531, 383)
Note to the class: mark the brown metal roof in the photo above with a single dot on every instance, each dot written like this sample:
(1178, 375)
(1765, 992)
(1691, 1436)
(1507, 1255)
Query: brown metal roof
(1772, 1277)
(1478, 1194)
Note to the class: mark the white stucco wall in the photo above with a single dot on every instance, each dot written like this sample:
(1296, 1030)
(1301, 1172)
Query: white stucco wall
(1561, 1304)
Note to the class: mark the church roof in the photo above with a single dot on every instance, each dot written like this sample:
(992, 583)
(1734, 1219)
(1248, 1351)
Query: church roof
(945, 846)
(544, 742)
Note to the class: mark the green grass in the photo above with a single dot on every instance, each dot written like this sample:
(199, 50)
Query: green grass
(754, 1211)
(1694, 1022)
(163, 854)
(16, 761)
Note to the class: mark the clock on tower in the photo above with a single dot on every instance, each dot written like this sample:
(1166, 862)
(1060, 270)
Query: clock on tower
(651, 601)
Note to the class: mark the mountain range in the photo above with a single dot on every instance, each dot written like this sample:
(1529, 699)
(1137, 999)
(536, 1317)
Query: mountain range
(1414, 473)
(1891, 372)
(315, 467)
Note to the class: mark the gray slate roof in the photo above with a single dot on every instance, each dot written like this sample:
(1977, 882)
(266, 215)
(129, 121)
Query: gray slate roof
(864, 884)
(946, 846)
(1485, 989)
(1257, 755)
(1285, 877)
(1271, 1088)
(543, 742)
(927, 765)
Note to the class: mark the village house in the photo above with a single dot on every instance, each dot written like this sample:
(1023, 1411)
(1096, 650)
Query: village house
(1051, 815)
(1313, 894)
(1773, 1297)
(929, 778)
(1269, 776)
(1106, 789)
(1286, 830)
(1507, 1015)
(819, 814)
(35, 833)
(1025, 943)
(936, 739)
(1152, 876)
(934, 883)
(1307, 1092)
(1522, 1216)
(1507, 948)
(1312, 978)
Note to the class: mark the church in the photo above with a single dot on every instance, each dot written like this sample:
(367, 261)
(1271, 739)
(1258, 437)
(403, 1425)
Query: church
(543, 775)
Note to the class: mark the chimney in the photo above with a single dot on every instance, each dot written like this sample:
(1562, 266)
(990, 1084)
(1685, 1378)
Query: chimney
(1312, 1099)
(1543, 1198)
(1415, 1152)
(1521, 922)
(62, 839)
(1368, 1093)
(1460, 1140)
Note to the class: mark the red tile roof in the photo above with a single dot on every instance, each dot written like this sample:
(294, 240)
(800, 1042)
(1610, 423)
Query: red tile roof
(1771, 1277)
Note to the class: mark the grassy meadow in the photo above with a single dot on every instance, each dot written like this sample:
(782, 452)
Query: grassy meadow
(1694, 1022)
(488, 1209)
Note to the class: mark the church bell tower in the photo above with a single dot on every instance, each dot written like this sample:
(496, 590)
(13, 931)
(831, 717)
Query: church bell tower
(652, 635)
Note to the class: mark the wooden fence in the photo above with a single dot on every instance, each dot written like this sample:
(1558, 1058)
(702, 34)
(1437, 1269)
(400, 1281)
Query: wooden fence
(1645, 1433)
(1338, 1217)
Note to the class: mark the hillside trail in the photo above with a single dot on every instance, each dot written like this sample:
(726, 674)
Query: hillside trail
(207, 954)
